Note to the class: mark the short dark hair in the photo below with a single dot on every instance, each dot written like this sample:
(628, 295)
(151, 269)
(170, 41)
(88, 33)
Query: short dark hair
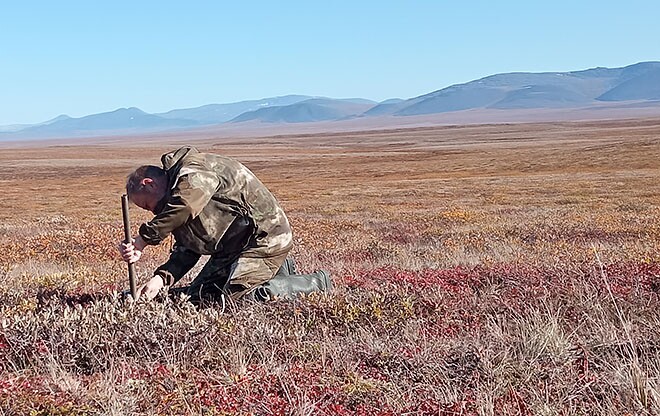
(134, 180)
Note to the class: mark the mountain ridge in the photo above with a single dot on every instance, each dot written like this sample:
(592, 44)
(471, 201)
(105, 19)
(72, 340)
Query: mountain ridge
(636, 83)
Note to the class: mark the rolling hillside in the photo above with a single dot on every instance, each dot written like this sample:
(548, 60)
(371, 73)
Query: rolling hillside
(308, 111)
(630, 87)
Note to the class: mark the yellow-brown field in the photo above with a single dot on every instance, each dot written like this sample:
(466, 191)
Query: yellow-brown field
(498, 269)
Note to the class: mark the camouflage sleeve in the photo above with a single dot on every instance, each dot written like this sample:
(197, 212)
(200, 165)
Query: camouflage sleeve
(193, 190)
(180, 262)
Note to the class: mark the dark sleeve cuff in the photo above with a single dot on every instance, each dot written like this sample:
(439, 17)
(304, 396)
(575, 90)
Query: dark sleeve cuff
(168, 279)
(180, 262)
(149, 235)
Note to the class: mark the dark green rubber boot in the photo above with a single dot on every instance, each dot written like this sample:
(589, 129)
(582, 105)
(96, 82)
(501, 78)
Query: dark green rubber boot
(288, 287)
(288, 267)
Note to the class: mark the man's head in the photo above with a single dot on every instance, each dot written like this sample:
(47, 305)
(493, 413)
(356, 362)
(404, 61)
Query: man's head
(147, 186)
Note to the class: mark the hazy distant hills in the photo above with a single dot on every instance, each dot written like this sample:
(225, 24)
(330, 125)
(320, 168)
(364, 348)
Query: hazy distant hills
(121, 120)
(320, 109)
(537, 90)
(634, 86)
(18, 127)
(220, 113)
(645, 86)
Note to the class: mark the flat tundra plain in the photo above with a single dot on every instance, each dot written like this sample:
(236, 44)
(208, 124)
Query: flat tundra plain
(479, 270)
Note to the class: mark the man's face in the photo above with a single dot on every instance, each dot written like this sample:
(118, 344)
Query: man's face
(153, 190)
(146, 200)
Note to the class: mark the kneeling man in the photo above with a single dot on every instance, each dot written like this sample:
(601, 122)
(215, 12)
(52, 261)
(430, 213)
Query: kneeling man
(213, 205)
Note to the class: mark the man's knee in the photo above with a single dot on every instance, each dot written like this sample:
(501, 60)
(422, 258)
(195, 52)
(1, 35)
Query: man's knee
(249, 272)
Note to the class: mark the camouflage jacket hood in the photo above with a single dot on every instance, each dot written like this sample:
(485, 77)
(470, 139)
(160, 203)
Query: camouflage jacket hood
(171, 159)
(217, 206)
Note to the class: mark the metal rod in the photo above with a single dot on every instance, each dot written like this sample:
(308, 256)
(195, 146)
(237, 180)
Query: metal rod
(127, 239)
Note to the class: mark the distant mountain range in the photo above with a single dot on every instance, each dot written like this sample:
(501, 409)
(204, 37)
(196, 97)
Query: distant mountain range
(18, 127)
(633, 85)
(537, 90)
(221, 113)
(123, 120)
(315, 109)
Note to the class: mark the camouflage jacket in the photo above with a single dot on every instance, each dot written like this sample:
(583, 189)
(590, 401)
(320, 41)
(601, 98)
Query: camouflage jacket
(214, 206)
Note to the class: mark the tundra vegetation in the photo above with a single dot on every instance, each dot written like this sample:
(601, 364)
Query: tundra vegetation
(479, 270)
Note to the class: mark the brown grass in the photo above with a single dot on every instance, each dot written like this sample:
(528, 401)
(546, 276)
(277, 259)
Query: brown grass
(486, 270)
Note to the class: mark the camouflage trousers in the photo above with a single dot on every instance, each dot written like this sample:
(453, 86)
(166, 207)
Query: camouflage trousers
(221, 276)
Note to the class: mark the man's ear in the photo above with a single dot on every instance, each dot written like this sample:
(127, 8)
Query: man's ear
(147, 183)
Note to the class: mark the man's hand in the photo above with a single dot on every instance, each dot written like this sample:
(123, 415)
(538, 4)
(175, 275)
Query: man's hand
(131, 252)
(150, 289)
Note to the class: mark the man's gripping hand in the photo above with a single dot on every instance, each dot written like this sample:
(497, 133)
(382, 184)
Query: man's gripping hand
(150, 289)
(131, 252)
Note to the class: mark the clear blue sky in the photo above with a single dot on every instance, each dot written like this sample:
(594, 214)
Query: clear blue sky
(85, 57)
